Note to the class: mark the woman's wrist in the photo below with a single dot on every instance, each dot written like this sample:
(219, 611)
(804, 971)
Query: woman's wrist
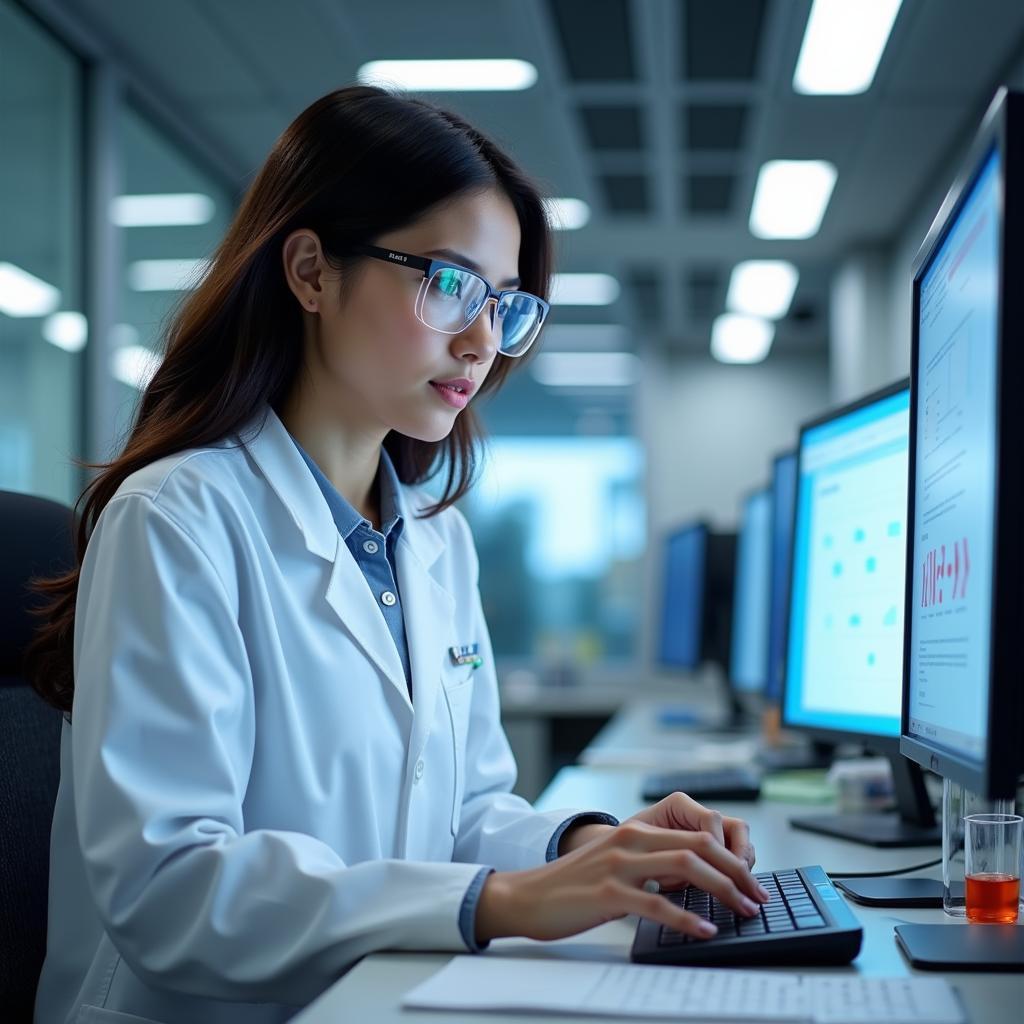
(492, 920)
(576, 836)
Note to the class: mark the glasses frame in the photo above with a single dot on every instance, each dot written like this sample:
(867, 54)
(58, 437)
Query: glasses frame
(429, 267)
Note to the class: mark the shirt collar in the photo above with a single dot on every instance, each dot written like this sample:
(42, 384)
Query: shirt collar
(345, 515)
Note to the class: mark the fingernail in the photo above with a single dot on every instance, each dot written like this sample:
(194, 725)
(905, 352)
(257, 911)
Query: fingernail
(707, 928)
(749, 906)
(763, 893)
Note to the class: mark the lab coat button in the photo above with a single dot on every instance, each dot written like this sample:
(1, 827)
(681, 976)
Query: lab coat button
(370, 547)
(419, 770)
(388, 598)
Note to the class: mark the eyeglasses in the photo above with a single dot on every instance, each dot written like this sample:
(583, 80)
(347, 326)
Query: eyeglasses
(452, 297)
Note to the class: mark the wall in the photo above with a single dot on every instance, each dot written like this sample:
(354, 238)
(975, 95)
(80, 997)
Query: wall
(710, 432)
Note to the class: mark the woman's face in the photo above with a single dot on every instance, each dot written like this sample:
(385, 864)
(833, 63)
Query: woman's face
(373, 361)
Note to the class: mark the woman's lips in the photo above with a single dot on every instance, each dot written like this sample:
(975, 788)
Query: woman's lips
(455, 398)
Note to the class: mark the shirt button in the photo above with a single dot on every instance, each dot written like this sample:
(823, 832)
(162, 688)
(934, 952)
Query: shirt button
(370, 547)
(388, 598)
(419, 770)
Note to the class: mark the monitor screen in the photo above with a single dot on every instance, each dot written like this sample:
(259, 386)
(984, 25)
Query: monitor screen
(844, 661)
(748, 661)
(783, 506)
(955, 477)
(682, 610)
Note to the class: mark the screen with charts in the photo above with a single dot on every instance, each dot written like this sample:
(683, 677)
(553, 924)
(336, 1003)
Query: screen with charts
(844, 664)
(954, 489)
(682, 610)
(783, 502)
(748, 661)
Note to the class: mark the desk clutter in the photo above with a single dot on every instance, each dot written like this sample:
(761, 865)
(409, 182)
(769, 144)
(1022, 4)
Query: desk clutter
(474, 983)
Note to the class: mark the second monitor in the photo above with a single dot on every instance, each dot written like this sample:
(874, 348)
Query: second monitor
(844, 651)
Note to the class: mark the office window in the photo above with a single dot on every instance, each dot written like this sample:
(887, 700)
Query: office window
(172, 216)
(559, 522)
(42, 328)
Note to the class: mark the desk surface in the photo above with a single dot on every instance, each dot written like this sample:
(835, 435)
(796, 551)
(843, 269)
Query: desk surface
(373, 989)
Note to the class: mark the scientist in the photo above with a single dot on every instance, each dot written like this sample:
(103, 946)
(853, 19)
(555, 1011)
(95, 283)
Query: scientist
(281, 747)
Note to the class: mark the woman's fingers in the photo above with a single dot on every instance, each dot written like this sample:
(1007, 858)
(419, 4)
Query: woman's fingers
(642, 838)
(670, 868)
(737, 839)
(617, 899)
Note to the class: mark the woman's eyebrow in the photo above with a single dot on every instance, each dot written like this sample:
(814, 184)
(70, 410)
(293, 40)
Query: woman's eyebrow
(465, 261)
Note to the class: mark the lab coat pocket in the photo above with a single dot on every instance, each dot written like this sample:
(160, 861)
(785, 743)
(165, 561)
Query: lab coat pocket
(458, 694)
(89, 1014)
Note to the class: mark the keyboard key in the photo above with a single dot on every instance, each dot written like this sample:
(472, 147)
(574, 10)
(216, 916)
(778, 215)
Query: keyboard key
(755, 926)
(810, 922)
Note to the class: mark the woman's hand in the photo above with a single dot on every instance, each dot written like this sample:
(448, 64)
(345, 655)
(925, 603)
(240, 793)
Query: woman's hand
(604, 879)
(680, 811)
(677, 811)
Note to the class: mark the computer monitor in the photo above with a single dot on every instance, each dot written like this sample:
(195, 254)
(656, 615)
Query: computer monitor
(963, 710)
(844, 640)
(748, 660)
(783, 509)
(680, 642)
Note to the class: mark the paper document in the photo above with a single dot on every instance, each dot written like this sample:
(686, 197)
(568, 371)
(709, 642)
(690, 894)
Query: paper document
(682, 993)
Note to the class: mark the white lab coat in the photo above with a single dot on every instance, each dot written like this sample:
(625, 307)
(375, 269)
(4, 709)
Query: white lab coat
(249, 801)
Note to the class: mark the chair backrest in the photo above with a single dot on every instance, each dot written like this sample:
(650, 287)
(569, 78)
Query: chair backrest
(36, 539)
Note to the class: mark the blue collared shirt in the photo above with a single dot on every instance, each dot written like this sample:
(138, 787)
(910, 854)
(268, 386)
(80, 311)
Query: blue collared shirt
(375, 555)
(374, 552)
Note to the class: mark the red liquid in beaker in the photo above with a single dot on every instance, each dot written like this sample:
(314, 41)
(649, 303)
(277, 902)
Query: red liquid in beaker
(992, 898)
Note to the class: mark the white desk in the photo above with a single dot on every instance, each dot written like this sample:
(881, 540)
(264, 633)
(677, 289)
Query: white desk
(373, 990)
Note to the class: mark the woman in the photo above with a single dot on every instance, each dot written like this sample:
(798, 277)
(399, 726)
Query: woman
(280, 758)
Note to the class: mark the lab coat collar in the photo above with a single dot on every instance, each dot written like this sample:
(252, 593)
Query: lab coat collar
(274, 451)
(428, 607)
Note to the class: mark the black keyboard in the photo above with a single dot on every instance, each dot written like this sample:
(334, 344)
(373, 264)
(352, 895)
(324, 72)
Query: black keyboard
(735, 783)
(805, 922)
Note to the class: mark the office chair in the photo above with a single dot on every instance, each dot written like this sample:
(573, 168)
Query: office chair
(37, 540)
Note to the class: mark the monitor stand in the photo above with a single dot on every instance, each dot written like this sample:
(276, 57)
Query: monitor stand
(816, 754)
(912, 824)
(962, 947)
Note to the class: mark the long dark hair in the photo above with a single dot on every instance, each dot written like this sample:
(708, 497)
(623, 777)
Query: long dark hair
(356, 164)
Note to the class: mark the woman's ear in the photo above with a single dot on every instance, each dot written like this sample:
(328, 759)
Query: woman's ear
(304, 265)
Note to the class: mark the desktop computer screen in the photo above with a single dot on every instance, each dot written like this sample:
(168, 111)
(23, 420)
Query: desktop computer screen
(783, 508)
(963, 706)
(748, 662)
(845, 637)
(844, 644)
(683, 587)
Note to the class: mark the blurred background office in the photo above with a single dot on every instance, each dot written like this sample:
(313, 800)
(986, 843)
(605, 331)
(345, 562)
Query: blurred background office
(737, 212)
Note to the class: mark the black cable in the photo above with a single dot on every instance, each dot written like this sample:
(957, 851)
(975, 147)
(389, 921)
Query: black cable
(884, 874)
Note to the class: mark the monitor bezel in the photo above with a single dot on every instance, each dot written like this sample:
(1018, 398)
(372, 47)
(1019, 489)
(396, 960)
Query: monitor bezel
(995, 774)
(748, 495)
(793, 453)
(883, 744)
(667, 537)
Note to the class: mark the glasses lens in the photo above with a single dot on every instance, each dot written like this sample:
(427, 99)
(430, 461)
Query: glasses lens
(520, 316)
(453, 298)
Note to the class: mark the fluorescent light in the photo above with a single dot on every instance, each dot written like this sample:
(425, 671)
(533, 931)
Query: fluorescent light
(843, 44)
(450, 75)
(585, 337)
(68, 330)
(167, 210)
(586, 369)
(166, 275)
(790, 198)
(566, 214)
(134, 365)
(584, 290)
(762, 288)
(737, 338)
(24, 294)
